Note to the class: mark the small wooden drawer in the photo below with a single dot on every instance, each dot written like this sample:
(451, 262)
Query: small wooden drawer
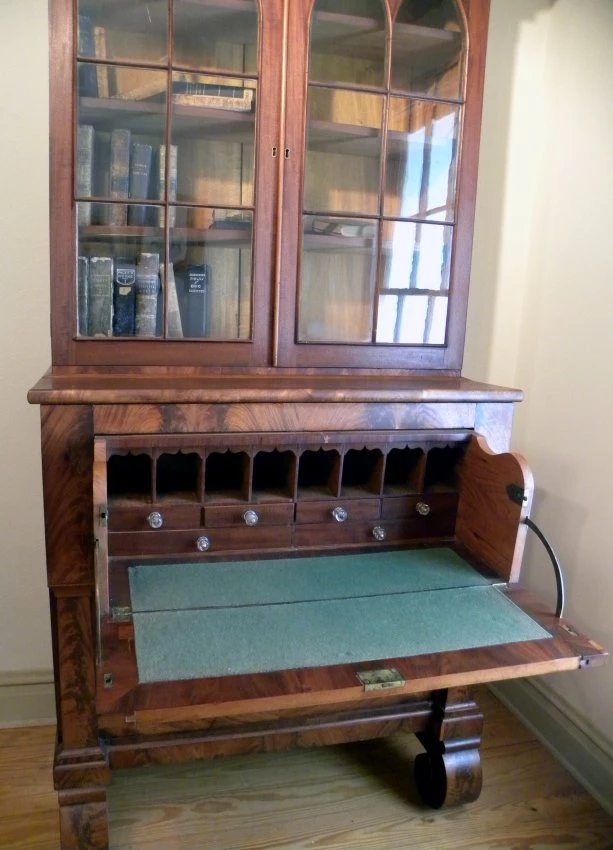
(426, 508)
(308, 536)
(239, 515)
(148, 517)
(323, 512)
(150, 543)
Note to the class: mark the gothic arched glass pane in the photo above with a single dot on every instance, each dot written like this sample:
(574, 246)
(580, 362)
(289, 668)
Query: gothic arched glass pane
(348, 39)
(428, 47)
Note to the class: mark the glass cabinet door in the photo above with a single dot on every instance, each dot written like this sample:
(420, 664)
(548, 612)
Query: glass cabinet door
(165, 184)
(378, 206)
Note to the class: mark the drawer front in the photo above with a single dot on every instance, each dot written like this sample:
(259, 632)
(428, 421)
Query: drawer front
(308, 536)
(416, 528)
(136, 518)
(281, 513)
(321, 511)
(439, 506)
(151, 543)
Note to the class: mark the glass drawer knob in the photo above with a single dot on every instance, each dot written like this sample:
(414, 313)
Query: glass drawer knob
(155, 519)
(203, 544)
(379, 533)
(339, 513)
(422, 508)
(251, 518)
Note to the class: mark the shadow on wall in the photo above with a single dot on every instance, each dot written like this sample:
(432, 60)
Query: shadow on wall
(505, 31)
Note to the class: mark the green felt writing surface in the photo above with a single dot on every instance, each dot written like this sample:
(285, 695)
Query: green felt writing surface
(311, 612)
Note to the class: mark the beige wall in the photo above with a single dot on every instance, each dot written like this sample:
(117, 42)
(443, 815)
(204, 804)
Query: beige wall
(541, 306)
(24, 330)
(540, 309)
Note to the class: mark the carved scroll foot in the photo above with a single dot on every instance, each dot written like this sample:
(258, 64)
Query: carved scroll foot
(448, 779)
(449, 772)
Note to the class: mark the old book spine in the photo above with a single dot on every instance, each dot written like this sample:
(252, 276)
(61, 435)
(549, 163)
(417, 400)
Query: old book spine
(194, 300)
(101, 180)
(85, 172)
(102, 71)
(88, 82)
(100, 296)
(82, 296)
(214, 101)
(140, 176)
(119, 176)
(157, 217)
(124, 296)
(147, 294)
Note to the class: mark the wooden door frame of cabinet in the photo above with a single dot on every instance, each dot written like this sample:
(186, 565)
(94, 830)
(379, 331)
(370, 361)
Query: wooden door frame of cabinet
(447, 358)
(67, 349)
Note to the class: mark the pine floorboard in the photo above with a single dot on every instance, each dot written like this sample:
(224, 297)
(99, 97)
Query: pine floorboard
(355, 797)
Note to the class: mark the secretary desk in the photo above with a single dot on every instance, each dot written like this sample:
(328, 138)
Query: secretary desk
(276, 514)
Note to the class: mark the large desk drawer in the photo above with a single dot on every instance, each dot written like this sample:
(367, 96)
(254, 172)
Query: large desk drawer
(152, 543)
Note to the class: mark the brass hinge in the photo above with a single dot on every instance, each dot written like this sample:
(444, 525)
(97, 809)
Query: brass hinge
(378, 680)
(121, 613)
(592, 661)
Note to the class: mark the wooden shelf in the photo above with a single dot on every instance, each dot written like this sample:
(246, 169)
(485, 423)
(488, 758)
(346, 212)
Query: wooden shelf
(214, 235)
(337, 34)
(354, 139)
(142, 116)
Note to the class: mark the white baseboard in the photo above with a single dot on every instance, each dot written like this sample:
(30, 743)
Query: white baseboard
(27, 698)
(563, 731)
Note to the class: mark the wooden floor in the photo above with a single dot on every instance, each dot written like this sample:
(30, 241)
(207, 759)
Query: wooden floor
(358, 797)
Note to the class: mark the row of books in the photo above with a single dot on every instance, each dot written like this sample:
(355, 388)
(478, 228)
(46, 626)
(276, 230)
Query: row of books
(129, 83)
(123, 169)
(123, 297)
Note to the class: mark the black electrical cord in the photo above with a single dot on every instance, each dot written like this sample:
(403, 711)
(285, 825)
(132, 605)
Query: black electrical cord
(555, 563)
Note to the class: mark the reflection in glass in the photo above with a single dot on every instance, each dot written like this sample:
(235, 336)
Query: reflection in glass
(119, 283)
(428, 49)
(136, 31)
(421, 159)
(348, 42)
(213, 128)
(411, 319)
(343, 151)
(338, 269)
(210, 285)
(219, 36)
(416, 256)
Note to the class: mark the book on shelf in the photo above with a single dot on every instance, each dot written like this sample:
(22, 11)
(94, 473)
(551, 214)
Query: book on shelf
(88, 80)
(119, 176)
(147, 294)
(175, 324)
(193, 290)
(85, 172)
(100, 288)
(347, 227)
(157, 215)
(102, 71)
(193, 93)
(124, 296)
(140, 176)
(235, 100)
(82, 296)
(101, 178)
(232, 220)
